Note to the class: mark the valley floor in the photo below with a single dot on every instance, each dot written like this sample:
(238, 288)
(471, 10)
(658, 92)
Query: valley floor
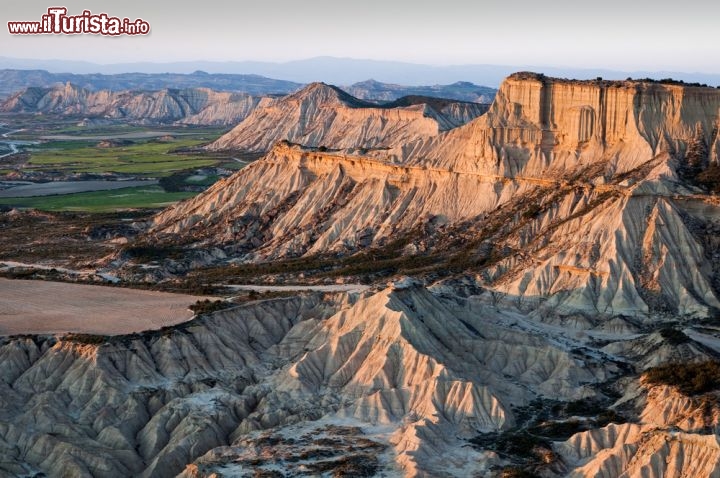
(44, 307)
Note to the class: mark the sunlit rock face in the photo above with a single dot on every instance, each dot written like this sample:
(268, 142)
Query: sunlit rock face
(587, 256)
(587, 173)
(324, 115)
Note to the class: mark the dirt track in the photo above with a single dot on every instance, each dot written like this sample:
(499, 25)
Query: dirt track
(41, 307)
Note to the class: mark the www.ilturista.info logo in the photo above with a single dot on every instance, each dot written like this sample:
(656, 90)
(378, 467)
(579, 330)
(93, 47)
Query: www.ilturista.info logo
(57, 21)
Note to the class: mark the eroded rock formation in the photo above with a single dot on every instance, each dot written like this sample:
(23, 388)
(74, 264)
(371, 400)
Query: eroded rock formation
(581, 259)
(324, 115)
(187, 106)
(580, 178)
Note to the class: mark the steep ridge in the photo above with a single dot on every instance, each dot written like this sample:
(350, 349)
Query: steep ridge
(189, 106)
(419, 371)
(461, 90)
(574, 187)
(675, 436)
(299, 383)
(138, 405)
(324, 115)
(448, 113)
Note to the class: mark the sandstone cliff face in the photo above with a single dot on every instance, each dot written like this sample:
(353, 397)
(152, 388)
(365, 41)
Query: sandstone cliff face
(188, 106)
(580, 177)
(542, 127)
(323, 115)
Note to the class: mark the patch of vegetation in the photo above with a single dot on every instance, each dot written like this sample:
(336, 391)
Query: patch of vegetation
(61, 235)
(370, 265)
(517, 472)
(19, 273)
(86, 339)
(260, 473)
(252, 295)
(522, 444)
(529, 453)
(31, 273)
(191, 287)
(142, 197)
(184, 181)
(513, 443)
(541, 422)
(143, 158)
(175, 182)
(689, 378)
(358, 465)
(150, 252)
(532, 211)
(607, 417)
(584, 407)
(561, 430)
(710, 178)
(127, 339)
(671, 81)
(674, 336)
(208, 306)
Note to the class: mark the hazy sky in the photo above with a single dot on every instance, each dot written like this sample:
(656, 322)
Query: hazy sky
(628, 34)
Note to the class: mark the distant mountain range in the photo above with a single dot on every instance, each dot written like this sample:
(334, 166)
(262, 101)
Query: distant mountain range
(346, 71)
(13, 82)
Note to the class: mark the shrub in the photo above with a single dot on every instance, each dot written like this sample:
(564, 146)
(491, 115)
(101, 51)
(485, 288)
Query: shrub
(689, 378)
(674, 336)
(150, 252)
(86, 339)
(516, 472)
(710, 178)
(559, 430)
(208, 306)
(519, 443)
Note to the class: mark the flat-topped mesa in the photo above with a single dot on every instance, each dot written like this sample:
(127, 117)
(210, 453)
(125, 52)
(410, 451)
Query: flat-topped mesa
(608, 111)
(539, 125)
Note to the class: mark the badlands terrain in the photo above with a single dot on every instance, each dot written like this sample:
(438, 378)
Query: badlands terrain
(541, 297)
(188, 106)
(324, 115)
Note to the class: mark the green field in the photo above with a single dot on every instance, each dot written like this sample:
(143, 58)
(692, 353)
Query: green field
(139, 157)
(148, 158)
(101, 201)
